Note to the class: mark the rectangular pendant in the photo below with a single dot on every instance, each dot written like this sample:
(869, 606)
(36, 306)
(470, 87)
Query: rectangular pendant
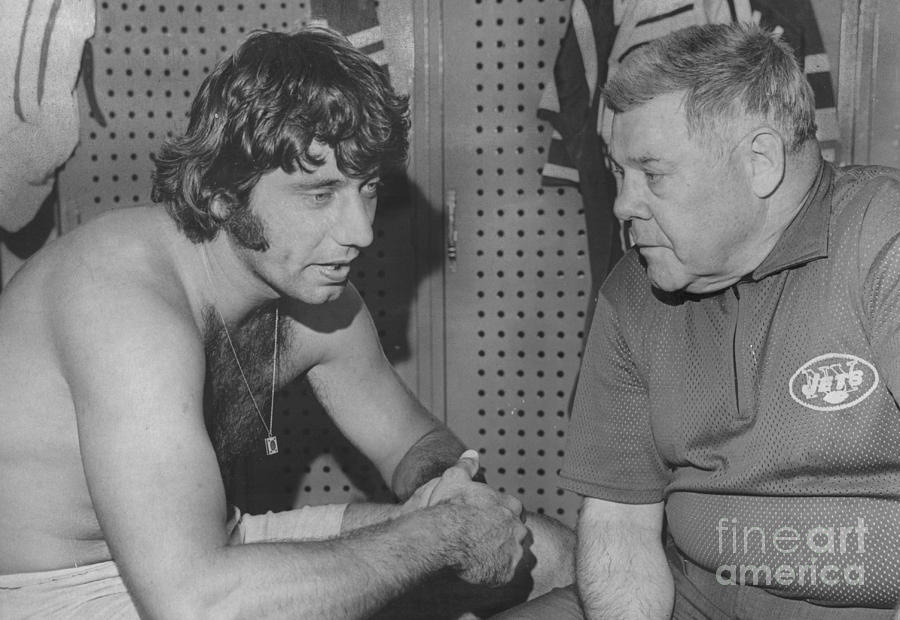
(271, 445)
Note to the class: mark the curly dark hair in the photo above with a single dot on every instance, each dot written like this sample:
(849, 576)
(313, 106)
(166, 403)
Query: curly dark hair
(261, 109)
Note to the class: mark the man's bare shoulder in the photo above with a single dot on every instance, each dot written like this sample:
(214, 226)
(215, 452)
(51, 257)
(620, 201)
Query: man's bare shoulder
(112, 287)
(122, 257)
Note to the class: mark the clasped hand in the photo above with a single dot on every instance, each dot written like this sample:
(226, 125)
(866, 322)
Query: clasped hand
(492, 537)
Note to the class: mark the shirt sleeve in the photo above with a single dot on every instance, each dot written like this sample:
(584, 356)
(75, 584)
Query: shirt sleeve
(610, 452)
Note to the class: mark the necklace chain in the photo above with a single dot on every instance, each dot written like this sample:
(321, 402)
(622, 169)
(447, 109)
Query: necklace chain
(271, 442)
(268, 427)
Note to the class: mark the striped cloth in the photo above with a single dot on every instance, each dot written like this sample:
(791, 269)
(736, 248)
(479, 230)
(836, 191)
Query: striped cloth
(357, 20)
(602, 33)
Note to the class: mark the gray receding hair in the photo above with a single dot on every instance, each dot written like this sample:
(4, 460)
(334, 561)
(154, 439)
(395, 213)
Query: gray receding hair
(727, 72)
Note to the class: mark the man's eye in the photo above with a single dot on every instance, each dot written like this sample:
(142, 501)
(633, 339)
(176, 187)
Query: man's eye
(321, 196)
(371, 188)
(652, 177)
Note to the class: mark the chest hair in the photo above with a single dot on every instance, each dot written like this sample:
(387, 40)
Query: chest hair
(232, 422)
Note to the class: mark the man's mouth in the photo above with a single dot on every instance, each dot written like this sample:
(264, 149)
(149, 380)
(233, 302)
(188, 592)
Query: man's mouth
(336, 272)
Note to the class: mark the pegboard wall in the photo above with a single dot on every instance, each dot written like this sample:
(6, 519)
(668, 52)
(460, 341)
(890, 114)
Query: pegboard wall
(517, 295)
(149, 59)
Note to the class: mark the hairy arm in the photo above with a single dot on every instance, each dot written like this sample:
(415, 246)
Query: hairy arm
(622, 572)
(135, 366)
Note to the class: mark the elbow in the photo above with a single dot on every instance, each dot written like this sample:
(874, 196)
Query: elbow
(190, 606)
(191, 595)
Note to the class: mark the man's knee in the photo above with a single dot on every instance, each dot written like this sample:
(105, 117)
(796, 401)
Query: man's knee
(559, 604)
(553, 547)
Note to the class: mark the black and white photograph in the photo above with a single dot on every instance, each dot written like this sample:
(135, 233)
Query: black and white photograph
(450, 309)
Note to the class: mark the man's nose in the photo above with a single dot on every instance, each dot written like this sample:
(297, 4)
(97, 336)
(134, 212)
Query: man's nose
(629, 203)
(355, 226)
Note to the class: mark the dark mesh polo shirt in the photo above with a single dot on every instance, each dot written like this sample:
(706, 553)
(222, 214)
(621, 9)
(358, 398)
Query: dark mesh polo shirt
(765, 415)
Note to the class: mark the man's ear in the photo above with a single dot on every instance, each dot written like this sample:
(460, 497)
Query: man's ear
(767, 161)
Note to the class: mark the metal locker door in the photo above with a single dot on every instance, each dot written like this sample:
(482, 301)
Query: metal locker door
(516, 274)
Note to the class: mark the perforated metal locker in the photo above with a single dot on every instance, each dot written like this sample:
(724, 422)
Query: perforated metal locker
(518, 292)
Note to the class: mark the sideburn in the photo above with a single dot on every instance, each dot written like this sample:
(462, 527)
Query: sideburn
(247, 229)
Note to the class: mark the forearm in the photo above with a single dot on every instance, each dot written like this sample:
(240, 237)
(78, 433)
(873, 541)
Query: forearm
(347, 577)
(622, 572)
(616, 586)
(426, 459)
(363, 514)
(623, 580)
(187, 571)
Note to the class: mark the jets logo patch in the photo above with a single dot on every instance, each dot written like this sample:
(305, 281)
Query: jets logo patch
(833, 381)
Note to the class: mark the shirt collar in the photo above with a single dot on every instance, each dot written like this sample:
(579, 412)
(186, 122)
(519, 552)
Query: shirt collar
(806, 237)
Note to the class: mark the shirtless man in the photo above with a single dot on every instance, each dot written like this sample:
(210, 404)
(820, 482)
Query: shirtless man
(117, 339)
